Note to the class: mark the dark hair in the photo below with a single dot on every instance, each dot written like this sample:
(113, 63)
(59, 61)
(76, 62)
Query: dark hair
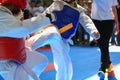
(36, 1)
(13, 8)
(70, 1)
(118, 2)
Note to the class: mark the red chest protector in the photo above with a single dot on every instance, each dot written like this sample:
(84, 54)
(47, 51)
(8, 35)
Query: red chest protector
(12, 49)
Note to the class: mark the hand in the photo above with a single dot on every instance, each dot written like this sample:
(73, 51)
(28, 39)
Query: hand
(116, 30)
(27, 37)
(96, 34)
(51, 16)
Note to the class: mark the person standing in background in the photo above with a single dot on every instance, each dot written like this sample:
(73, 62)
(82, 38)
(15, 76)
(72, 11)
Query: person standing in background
(118, 12)
(115, 39)
(104, 16)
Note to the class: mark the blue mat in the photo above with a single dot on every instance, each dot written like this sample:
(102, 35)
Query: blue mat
(85, 62)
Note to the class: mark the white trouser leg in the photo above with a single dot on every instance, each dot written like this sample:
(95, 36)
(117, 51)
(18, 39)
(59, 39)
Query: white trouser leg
(62, 61)
(13, 71)
(7, 70)
(37, 62)
(21, 74)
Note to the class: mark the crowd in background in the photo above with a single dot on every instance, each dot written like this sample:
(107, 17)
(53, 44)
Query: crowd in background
(36, 6)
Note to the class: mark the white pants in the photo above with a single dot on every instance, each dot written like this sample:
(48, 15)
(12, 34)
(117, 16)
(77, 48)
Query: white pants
(35, 61)
(60, 49)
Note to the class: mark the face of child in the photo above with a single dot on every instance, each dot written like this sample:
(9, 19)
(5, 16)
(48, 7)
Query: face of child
(73, 4)
(33, 4)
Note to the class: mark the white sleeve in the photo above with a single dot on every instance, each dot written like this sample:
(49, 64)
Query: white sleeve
(87, 24)
(55, 6)
(19, 29)
(114, 2)
(35, 23)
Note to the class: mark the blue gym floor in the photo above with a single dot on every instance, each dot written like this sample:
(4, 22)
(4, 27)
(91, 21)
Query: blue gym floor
(86, 62)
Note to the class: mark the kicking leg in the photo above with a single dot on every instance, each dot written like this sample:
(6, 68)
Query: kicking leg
(62, 61)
